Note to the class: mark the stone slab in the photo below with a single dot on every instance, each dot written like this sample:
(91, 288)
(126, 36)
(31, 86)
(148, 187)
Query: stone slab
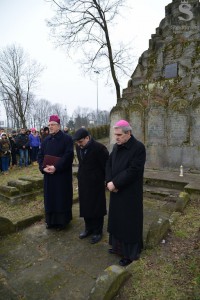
(21, 185)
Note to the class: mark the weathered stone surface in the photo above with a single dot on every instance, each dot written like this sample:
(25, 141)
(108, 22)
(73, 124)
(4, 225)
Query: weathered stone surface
(193, 191)
(157, 231)
(108, 284)
(182, 201)
(21, 185)
(166, 84)
(8, 191)
(6, 226)
(23, 189)
(28, 221)
(37, 182)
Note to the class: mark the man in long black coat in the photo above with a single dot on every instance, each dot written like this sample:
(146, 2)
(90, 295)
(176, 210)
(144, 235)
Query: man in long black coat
(124, 178)
(58, 191)
(92, 157)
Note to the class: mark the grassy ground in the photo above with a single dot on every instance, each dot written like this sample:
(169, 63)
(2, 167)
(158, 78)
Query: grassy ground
(169, 272)
(172, 270)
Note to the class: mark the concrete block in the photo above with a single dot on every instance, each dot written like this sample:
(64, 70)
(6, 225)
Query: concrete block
(8, 191)
(21, 185)
(158, 229)
(108, 284)
(37, 182)
(182, 201)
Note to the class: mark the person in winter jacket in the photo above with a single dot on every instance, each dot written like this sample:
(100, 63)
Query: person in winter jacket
(12, 139)
(5, 151)
(34, 144)
(22, 142)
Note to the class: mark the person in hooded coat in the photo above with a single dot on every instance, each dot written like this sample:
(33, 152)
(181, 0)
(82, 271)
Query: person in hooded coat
(58, 191)
(124, 178)
(92, 157)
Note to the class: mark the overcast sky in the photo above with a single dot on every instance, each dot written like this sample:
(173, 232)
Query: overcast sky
(23, 22)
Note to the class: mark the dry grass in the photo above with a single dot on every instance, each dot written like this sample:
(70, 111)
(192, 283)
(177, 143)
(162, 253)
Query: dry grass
(172, 270)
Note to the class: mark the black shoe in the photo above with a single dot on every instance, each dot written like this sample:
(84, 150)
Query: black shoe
(96, 238)
(111, 251)
(84, 234)
(59, 228)
(125, 262)
(49, 226)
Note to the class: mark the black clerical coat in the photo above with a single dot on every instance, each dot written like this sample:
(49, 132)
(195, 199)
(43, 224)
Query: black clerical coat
(58, 190)
(125, 168)
(91, 179)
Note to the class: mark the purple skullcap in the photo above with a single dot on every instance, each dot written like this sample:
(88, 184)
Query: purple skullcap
(122, 123)
(54, 118)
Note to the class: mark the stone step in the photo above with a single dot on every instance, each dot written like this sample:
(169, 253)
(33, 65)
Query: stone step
(37, 182)
(24, 188)
(8, 191)
(161, 193)
(22, 185)
(165, 183)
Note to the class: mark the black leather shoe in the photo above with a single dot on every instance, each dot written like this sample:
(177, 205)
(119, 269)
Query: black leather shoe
(84, 234)
(96, 238)
(125, 262)
(59, 228)
(111, 251)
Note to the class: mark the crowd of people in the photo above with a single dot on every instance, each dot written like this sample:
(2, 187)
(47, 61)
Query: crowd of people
(20, 148)
(121, 172)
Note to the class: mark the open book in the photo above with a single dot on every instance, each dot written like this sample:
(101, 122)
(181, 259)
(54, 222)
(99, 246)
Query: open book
(50, 160)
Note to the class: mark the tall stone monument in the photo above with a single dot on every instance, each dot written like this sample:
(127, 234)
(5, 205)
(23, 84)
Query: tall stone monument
(162, 99)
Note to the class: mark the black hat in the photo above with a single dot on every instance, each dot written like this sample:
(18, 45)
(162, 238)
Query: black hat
(80, 134)
(14, 131)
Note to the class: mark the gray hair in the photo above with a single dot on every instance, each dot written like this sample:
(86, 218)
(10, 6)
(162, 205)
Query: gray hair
(124, 128)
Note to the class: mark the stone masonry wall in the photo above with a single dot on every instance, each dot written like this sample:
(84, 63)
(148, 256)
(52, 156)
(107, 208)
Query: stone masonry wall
(162, 99)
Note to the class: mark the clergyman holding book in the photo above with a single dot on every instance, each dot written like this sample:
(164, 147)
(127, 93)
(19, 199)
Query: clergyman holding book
(55, 160)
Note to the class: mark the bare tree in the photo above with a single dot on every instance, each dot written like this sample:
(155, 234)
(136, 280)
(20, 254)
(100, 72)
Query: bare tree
(85, 24)
(84, 116)
(104, 117)
(59, 110)
(42, 109)
(80, 116)
(18, 78)
(40, 112)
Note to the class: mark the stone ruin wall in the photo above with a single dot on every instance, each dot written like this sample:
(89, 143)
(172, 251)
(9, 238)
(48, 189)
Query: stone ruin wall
(162, 99)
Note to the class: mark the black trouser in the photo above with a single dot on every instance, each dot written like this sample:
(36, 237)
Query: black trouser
(14, 157)
(95, 225)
